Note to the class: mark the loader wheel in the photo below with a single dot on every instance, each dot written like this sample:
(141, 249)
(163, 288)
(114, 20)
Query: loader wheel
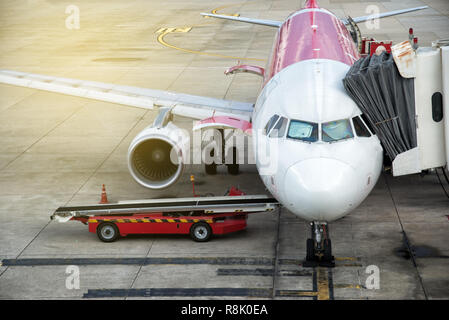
(211, 168)
(200, 232)
(233, 168)
(107, 232)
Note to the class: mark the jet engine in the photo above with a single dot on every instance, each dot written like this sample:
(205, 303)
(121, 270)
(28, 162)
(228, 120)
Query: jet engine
(156, 156)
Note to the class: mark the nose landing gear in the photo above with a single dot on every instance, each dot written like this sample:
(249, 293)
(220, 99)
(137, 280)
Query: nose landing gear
(319, 247)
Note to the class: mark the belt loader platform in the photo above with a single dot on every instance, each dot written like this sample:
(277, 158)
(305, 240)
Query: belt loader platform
(201, 217)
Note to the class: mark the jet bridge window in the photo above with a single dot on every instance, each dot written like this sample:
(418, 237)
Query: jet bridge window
(302, 130)
(336, 130)
(360, 129)
(437, 107)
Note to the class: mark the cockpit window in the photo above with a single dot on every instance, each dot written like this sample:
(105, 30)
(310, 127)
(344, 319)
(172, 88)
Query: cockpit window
(278, 130)
(360, 128)
(336, 130)
(368, 124)
(270, 123)
(302, 130)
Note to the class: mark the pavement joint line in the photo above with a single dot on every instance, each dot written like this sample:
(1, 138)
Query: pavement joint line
(180, 73)
(3, 271)
(98, 167)
(140, 268)
(244, 261)
(262, 272)
(45, 134)
(276, 250)
(412, 256)
(20, 100)
(324, 290)
(109, 155)
(179, 292)
(33, 262)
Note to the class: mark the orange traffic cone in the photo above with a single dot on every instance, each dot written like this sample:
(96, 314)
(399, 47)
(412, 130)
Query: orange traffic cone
(104, 197)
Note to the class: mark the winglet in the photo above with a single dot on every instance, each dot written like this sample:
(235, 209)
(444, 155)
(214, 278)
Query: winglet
(383, 15)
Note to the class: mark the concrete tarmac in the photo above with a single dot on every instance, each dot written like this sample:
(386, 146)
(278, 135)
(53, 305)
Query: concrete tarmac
(58, 150)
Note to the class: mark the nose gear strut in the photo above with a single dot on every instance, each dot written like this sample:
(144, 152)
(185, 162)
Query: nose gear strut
(319, 247)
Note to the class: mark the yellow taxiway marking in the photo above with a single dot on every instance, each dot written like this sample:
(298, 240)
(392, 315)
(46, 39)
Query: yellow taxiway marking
(347, 286)
(323, 284)
(164, 31)
(171, 30)
(346, 259)
(224, 7)
(298, 293)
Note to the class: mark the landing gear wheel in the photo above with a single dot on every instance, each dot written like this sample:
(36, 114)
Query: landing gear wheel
(200, 232)
(233, 169)
(107, 232)
(321, 254)
(327, 254)
(211, 168)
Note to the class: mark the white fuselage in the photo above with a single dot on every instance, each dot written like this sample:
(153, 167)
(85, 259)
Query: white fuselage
(317, 181)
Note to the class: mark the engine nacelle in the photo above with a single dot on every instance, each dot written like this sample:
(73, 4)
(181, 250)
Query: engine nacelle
(157, 155)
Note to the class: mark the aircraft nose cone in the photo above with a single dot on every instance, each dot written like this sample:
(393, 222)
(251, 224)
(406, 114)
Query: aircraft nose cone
(321, 189)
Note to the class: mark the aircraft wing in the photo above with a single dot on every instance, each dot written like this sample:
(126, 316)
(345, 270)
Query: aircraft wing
(383, 15)
(277, 24)
(191, 106)
(270, 23)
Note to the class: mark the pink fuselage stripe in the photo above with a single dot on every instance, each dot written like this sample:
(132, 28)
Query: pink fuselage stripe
(228, 121)
(311, 34)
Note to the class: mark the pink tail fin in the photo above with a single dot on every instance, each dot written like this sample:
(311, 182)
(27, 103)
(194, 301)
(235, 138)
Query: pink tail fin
(311, 4)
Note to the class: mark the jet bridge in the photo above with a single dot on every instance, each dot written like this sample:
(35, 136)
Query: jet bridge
(401, 94)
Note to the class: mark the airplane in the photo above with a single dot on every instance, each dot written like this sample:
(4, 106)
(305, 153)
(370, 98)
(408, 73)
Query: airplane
(328, 159)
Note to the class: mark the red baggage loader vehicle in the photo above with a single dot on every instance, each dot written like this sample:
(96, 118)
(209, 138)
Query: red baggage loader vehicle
(200, 217)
